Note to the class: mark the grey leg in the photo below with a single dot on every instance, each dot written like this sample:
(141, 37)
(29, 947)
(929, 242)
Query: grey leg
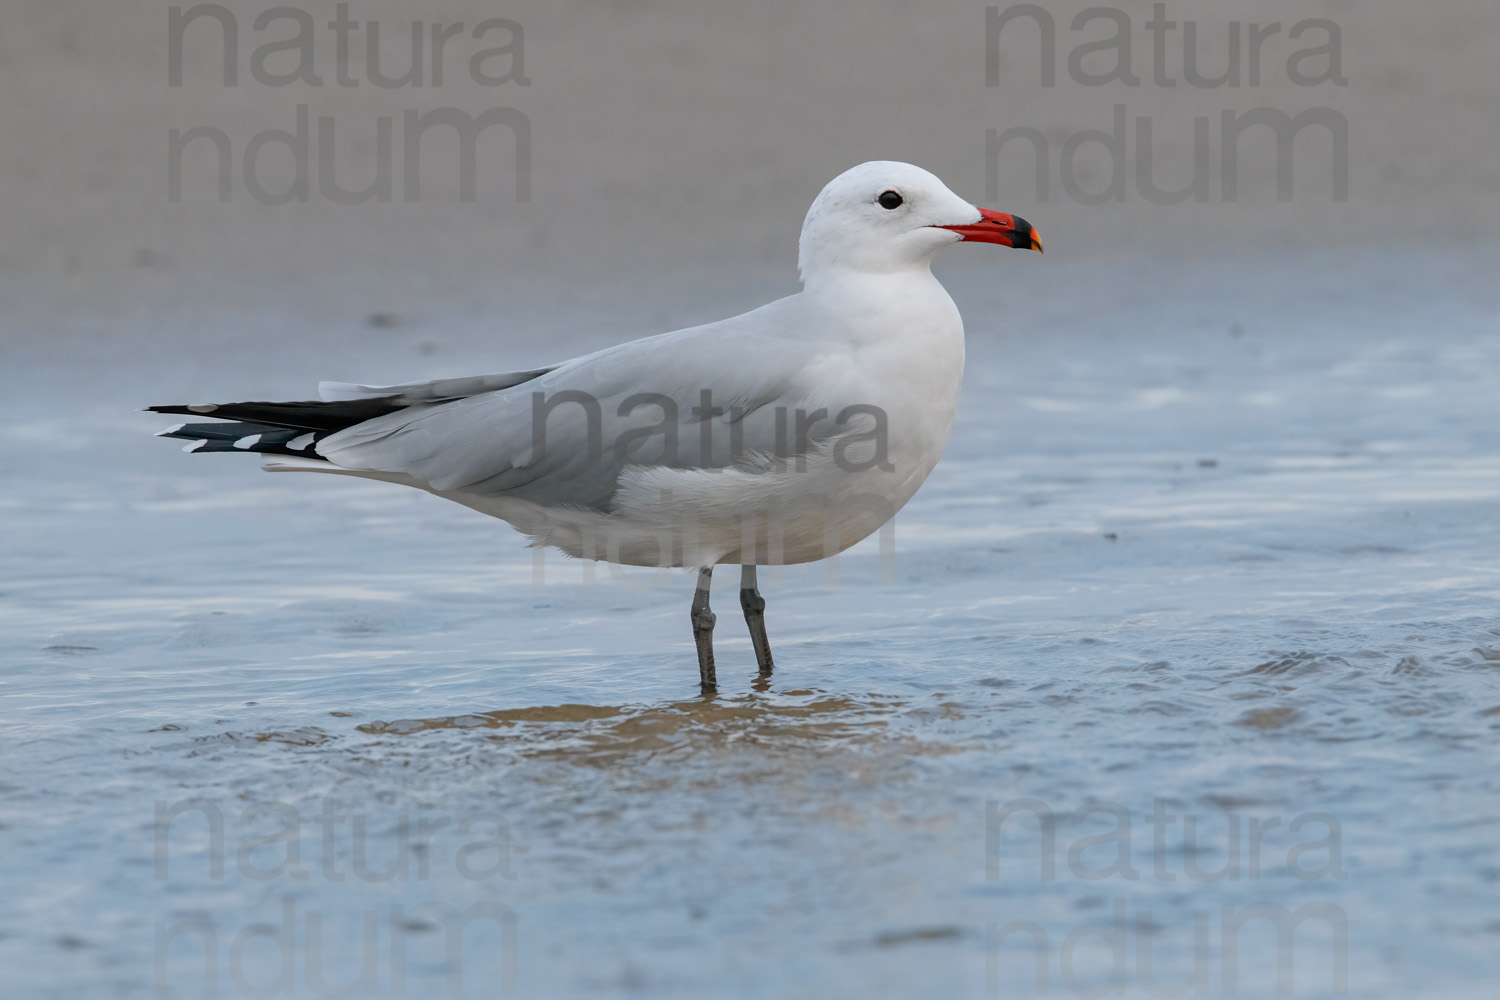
(755, 617)
(703, 630)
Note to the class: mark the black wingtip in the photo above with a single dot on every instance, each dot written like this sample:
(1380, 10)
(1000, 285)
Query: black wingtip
(306, 415)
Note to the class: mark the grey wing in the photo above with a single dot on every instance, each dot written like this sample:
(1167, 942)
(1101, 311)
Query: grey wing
(432, 390)
(692, 399)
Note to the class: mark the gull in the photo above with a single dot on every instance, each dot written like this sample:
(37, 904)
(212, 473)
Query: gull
(782, 435)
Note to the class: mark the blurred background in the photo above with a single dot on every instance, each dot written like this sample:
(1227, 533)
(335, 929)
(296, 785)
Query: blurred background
(1215, 531)
(680, 143)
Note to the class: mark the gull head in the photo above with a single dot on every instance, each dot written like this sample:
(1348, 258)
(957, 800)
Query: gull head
(883, 217)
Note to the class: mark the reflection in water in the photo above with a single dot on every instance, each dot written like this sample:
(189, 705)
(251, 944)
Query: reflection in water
(797, 722)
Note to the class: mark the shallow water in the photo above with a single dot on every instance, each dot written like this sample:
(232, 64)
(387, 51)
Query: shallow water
(1213, 540)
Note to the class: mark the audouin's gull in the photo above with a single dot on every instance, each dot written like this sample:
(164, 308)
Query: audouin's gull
(783, 435)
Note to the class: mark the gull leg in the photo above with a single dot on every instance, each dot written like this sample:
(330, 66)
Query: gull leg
(755, 617)
(703, 630)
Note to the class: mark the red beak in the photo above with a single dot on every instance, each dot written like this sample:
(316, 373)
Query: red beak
(998, 227)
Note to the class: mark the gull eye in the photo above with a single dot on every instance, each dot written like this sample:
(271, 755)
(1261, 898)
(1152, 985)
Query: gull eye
(890, 199)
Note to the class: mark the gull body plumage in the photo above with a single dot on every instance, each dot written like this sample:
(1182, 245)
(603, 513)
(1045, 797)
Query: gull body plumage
(783, 435)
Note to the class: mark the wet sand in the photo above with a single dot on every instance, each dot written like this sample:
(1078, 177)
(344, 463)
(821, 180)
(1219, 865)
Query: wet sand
(1226, 554)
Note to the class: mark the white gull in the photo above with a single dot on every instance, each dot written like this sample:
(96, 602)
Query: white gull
(783, 435)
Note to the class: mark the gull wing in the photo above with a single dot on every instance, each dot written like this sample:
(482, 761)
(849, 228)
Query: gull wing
(724, 394)
(431, 391)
